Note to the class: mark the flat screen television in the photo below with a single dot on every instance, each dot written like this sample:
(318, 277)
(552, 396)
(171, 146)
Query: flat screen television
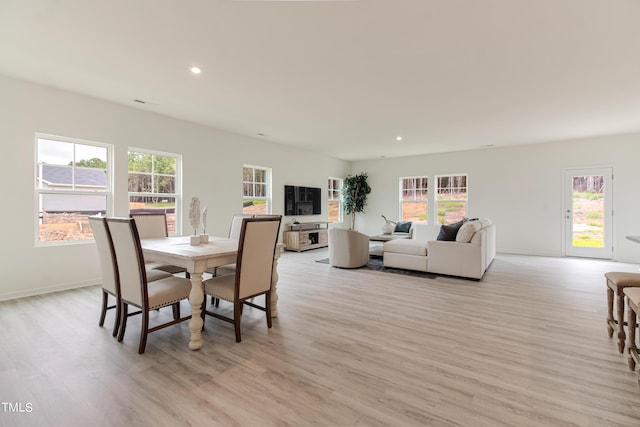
(302, 200)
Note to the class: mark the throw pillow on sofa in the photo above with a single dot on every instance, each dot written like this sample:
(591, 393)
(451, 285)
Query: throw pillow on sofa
(448, 232)
(403, 226)
(466, 232)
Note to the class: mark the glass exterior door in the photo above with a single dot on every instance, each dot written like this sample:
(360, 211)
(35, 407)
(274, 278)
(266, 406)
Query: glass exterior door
(588, 213)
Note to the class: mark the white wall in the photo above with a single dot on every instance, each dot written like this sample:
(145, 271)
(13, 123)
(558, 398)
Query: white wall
(212, 170)
(520, 189)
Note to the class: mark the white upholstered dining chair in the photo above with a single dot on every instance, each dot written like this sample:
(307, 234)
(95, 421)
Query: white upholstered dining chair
(254, 270)
(134, 289)
(154, 225)
(236, 225)
(108, 270)
(234, 233)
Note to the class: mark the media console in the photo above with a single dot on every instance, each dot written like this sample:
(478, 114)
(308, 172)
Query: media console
(306, 235)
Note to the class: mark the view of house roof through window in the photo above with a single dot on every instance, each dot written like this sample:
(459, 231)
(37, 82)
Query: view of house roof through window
(72, 182)
(58, 175)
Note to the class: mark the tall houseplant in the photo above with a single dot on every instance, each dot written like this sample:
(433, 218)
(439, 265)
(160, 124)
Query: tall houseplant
(354, 191)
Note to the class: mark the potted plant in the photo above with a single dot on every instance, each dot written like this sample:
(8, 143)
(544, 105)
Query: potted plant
(354, 191)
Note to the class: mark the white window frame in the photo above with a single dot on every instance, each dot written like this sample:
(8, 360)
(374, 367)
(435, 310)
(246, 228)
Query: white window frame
(268, 190)
(178, 183)
(331, 192)
(415, 199)
(436, 194)
(71, 189)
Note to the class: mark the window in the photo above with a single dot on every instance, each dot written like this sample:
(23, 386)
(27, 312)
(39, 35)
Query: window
(256, 190)
(154, 185)
(73, 181)
(413, 198)
(451, 198)
(334, 200)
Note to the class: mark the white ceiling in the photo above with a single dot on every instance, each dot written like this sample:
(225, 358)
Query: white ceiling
(346, 78)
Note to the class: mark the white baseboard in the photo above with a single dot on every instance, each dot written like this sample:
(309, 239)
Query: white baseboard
(531, 253)
(41, 291)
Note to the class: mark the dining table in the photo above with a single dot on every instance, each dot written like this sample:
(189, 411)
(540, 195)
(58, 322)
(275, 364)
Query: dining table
(215, 252)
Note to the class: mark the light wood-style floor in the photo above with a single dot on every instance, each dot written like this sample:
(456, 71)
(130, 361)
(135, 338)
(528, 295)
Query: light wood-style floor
(527, 346)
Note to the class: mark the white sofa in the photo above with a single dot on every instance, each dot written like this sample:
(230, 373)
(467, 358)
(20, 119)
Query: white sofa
(468, 256)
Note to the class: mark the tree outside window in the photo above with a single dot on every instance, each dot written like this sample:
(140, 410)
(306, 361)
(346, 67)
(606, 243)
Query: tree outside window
(414, 192)
(256, 191)
(153, 183)
(451, 198)
(334, 200)
(72, 182)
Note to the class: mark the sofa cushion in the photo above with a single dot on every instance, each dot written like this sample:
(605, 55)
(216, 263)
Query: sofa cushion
(466, 232)
(406, 246)
(448, 232)
(485, 222)
(403, 226)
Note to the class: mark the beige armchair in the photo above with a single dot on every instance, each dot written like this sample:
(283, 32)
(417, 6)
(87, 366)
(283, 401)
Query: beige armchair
(347, 248)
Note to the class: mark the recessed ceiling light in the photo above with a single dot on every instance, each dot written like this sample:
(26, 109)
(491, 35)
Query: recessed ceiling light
(196, 70)
(398, 138)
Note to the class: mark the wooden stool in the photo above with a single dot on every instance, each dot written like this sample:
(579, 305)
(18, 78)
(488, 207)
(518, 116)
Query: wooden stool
(616, 282)
(633, 299)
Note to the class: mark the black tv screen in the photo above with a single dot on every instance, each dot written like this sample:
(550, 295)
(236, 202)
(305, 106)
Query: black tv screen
(302, 200)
